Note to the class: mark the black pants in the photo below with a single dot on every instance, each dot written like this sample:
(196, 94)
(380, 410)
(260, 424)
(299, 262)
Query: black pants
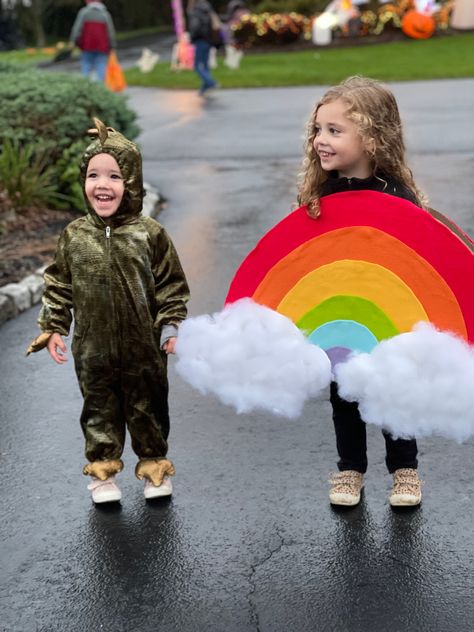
(352, 442)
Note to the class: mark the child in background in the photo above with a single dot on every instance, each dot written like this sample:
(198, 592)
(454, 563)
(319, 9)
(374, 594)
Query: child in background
(119, 272)
(355, 142)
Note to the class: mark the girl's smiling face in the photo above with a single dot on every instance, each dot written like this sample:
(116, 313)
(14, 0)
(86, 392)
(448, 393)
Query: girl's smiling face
(338, 142)
(104, 185)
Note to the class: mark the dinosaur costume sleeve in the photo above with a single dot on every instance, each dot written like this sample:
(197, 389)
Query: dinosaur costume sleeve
(171, 289)
(55, 315)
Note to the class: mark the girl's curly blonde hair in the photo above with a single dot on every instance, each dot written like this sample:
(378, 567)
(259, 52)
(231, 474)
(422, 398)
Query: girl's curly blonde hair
(373, 108)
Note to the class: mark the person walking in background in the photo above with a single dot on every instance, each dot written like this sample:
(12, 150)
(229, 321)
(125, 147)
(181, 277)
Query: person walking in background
(236, 9)
(200, 27)
(94, 33)
(355, 142)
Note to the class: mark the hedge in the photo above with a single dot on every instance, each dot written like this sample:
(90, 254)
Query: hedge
(53, 111)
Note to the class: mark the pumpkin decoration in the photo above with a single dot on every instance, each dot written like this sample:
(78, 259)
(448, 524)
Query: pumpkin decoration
(418, 25)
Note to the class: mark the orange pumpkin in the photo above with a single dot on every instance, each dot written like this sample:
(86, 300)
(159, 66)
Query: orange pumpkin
(418, 25)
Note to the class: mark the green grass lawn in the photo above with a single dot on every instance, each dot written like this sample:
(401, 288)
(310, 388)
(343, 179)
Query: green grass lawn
(437, 58)
(25, 56)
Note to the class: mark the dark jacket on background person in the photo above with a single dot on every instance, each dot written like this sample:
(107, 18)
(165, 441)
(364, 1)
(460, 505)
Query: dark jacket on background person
(200, 21)
(93, 29)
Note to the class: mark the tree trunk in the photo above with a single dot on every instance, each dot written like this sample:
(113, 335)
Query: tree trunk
(37, 15)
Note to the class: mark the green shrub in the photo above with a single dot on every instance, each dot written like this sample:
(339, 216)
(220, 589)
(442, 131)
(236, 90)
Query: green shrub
(27, 178)
(53, 111)
(67, 168)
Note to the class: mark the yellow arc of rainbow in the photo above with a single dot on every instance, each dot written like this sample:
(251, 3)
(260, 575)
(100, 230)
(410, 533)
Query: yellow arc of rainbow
(359, 278)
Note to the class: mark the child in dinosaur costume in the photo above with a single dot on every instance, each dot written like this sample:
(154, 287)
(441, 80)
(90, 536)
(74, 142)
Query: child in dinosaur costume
(119, 272)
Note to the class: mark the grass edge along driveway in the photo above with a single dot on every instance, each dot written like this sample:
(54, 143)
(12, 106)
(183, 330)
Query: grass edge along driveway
(441, 57)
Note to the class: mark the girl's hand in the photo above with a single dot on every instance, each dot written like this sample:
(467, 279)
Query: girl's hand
(57, 348)
(169, 345)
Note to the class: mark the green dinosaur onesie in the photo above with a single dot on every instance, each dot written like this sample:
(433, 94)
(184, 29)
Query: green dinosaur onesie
(122, 278)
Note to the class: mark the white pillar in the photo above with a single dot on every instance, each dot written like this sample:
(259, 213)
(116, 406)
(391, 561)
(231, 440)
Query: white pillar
(462, 16)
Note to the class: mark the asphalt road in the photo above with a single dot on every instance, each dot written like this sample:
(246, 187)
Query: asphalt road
(248, 541)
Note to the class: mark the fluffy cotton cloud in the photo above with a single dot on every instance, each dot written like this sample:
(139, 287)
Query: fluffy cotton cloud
(416, 384)
(251, 357)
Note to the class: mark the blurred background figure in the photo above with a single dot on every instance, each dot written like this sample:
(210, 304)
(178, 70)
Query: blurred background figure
(182, 53)
(200, 19)
(94, 33)
(148, 60)
(343, 14)
(236, 9)
(10, 36)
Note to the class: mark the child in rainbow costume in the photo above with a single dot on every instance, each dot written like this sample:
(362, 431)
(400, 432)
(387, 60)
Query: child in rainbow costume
(361, 262)
(355, 142)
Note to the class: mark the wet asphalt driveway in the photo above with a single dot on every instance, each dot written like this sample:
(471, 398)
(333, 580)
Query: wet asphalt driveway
(248, 542)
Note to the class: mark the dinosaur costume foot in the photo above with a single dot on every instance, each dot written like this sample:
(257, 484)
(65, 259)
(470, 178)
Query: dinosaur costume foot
(103, 469)
(154, 470)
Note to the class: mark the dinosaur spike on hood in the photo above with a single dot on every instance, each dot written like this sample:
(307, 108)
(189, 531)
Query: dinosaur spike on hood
(107, 140)
(100, 130)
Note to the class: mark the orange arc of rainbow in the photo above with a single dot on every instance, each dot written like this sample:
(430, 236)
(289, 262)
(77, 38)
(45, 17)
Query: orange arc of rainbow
(365, 243)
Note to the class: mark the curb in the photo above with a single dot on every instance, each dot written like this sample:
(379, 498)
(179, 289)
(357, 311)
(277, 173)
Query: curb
(15, 298)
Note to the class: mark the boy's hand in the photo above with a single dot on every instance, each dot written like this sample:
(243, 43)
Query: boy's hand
(57, 349)
(169, 345)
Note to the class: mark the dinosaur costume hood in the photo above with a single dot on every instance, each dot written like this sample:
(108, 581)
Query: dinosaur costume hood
(128, 157)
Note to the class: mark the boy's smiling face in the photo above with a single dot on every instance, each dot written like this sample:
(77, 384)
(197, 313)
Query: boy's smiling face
(104, 185)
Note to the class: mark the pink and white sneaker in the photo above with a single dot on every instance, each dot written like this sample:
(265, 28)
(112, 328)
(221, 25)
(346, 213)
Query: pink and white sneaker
(153, 491)
(104, 491)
